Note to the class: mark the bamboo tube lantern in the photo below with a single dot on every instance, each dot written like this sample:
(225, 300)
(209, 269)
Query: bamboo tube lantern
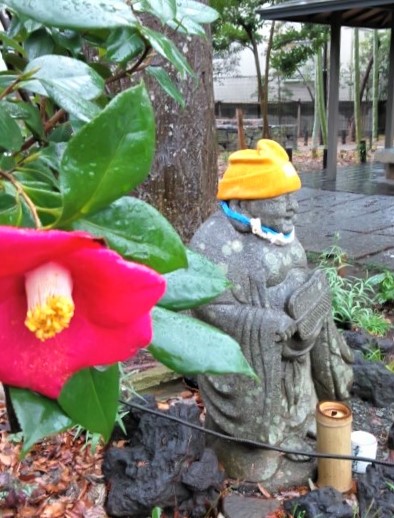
(334, 428)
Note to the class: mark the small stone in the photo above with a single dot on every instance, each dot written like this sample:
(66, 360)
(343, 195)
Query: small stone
(237, 506)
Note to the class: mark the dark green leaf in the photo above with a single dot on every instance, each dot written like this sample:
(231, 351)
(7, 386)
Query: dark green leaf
(61, 134)
(52, 154)
(27, 112)
(124, 44)
(10, 210)
(66, 74)
(11, 42)
(6, 79)
(167, 48)
(10, 133)
(75, 14)
(139, 232)
(7, 161)
(38, 44)
(38, 416)
(189, 346)
(124, 137)
(165, 82)
(70, 40)
(197, 284)
(90, 398)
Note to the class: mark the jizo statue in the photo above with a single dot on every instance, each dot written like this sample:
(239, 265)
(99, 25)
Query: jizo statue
(277, 309)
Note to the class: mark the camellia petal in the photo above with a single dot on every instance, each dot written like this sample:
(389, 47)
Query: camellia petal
(111, 322)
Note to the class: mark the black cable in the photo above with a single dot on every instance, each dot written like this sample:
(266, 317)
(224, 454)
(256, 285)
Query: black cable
(255, 444)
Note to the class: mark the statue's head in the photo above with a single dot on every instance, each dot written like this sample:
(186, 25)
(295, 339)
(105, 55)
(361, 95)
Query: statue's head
(260, 183)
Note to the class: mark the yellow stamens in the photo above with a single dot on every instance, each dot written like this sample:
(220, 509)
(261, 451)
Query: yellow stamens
(50, 306)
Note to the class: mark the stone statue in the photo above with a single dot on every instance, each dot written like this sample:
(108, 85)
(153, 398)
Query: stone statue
(277, 309)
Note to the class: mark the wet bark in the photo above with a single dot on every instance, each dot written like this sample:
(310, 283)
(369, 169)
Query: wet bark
(183, 179)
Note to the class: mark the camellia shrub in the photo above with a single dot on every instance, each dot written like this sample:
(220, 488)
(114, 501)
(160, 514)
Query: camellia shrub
(89, 274)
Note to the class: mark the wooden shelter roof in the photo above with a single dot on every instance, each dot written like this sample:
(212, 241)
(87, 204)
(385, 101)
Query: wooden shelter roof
(373, 14)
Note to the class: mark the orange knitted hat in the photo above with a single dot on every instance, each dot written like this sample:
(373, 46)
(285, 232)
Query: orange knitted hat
(265, 172)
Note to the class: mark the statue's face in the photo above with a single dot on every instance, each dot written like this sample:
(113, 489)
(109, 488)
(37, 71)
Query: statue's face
(276, 213)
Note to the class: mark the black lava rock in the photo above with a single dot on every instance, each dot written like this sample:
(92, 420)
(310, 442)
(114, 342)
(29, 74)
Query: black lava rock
(326, 502)
(373, 382)
(376, 492)
(390, 438)
(359, 340)
(166, 465)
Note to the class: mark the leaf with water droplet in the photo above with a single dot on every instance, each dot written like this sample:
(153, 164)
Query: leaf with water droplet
(124, 136)
(76, 14)
(188, 346)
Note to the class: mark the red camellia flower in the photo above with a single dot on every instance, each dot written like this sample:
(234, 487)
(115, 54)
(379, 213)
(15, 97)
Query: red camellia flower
(67, 303)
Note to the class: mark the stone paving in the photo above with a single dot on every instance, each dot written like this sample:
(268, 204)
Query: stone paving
(361, 224)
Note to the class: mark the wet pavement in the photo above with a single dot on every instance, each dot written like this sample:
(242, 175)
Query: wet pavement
(355, 212)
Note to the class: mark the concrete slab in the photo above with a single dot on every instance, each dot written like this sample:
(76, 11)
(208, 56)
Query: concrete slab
(383, 259)
(355, 244)
(361, 224)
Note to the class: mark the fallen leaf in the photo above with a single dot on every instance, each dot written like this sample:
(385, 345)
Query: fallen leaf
(263, 491)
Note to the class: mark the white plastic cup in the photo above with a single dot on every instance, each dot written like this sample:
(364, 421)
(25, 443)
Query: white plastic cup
(364, 444)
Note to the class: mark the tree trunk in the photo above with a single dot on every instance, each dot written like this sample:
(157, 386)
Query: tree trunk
(182, 183)
(357, 104)
(316, 113)
(320, 96)
(260, 89)
(266, 131)
(375, 86)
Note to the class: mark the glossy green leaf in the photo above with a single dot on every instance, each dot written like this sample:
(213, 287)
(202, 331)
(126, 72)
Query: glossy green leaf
(75, 14)
(196, 11)
(165, 47)
(189, 346)
(187, 26)
(6, 41)
(52, 154)
(39, 43)
(163, 9)
(197, 284)
(10, 210)
(124, 137)
(10, 133)
(66, 74)
(71, 102)
(90, 398)
(38, 416)
(29, 113)
(6, 79)
(37, 171)
(124, 44)
(70, 40)
(139, 232)
(165, 82)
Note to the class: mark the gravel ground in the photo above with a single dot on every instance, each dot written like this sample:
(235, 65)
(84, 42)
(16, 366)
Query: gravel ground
(374, 420)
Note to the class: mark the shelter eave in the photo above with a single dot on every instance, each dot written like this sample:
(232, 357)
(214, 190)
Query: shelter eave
(351, 13)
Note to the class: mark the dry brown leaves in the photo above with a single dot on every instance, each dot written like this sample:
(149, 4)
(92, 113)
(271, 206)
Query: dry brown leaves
(60, 477)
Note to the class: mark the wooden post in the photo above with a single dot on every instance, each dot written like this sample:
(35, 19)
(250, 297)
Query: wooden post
(241, 132)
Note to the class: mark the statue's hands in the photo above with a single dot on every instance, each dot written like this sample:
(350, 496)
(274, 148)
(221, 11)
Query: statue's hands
(287, 327)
